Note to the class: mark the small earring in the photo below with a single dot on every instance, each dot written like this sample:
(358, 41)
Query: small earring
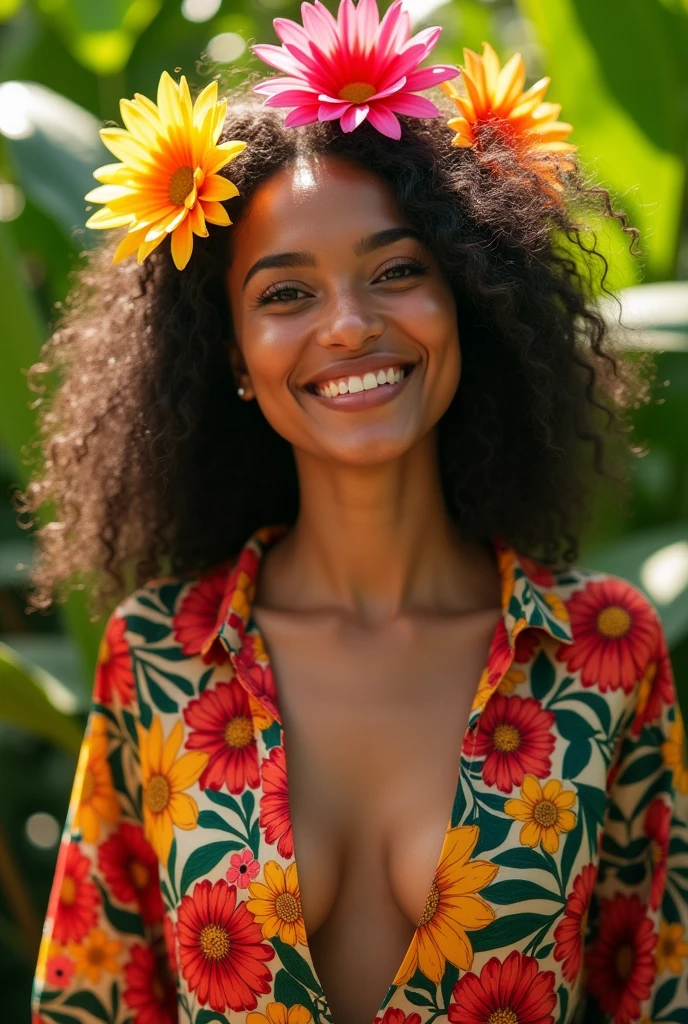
(240, 392)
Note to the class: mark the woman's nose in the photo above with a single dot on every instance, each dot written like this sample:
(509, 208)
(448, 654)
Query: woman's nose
(349, 320)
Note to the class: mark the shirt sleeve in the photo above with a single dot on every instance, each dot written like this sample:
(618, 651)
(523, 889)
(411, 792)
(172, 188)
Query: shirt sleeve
(103, 954)
(636, 962)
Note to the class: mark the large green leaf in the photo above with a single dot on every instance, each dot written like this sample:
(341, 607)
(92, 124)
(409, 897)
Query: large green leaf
(625, 101)
(53, 134)
(36, 701)
(101, 33)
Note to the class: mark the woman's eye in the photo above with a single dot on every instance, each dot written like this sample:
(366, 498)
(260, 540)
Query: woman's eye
(402, 270)
(281, 294)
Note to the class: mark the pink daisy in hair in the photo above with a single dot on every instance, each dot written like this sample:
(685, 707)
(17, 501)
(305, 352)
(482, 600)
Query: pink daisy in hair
(352, 68)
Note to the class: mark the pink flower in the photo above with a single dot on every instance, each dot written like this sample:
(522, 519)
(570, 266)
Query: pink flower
(354, 68)
(243, 868)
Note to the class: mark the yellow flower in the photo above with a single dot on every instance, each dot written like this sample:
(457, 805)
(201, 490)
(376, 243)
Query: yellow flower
(451, 909)
(506, 562)
(277, 903)
(262, 719)
(671, 948)
(494, 99)
(168, 181)
(484, 690)
(97, 953)
(559, 609)
(243, 595)
(513, 678)
(546, 812)
(98, 799)
(164, 780)
(278, 1013)
(674, 753)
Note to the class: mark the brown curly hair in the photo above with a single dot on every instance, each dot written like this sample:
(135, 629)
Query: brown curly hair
(151, 465)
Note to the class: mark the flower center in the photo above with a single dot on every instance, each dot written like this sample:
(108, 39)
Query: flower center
(138, 874)
(287, 907)
(624, 962)
(214, 942)
(503, 1016)
(357, 92)
(668, 948)
(506, 738)
(157, 793)
(95, 955)
(88, 787)
(545, 813)
(613, 622)
(239, 732)
(180, 184)
(68, 890)
(431, 904)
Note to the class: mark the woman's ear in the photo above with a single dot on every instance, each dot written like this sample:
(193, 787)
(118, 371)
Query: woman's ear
(241, 375)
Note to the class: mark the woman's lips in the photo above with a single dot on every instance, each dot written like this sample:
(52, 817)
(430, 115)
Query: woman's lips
(367, 398)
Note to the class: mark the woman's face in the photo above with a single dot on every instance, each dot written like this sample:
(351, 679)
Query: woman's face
(345, 328)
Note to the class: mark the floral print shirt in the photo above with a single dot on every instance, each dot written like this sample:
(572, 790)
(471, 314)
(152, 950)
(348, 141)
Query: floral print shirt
(561, 890)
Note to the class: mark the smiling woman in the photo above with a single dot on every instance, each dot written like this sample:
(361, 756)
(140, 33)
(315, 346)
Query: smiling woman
(344, 456)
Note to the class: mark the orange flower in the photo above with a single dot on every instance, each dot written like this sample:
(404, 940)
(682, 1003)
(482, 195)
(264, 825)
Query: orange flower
(168, 181)
(98, 800)
(495, 100)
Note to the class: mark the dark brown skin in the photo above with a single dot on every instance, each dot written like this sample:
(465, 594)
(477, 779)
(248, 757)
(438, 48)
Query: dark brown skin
(376, 614)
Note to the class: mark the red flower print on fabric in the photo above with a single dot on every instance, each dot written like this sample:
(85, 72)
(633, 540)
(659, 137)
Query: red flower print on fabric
(515, 738)
(570, 932)
(223, 728)
(657, 829)
(392, 1016)
(197, 616)
(242, 869)
(78, 899)
(656, 689)
(274, 804)
(130, 867)
(59, 971)
(221, 952)
(615, 632)
(114, 670)
(152, 997)
(513, 991)
(620, 963)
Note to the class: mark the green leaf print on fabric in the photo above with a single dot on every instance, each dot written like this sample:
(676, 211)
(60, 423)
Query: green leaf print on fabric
(121, 920)
(516, 890)
(296, 965)
(576, 758)
(89, 1002)
(290, 992)
(542, 676)
(507, 930)
(203, 860)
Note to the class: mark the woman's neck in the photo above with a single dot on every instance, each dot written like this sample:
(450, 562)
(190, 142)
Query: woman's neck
(375, 541)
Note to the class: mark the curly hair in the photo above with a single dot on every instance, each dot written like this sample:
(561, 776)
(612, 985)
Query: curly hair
(151, 465)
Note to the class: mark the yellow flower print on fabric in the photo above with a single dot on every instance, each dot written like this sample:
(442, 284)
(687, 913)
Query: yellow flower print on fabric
(674, 753)
(96, 955)
(243, 596)
(98, 801)
(278, 1013)
(557, 606)
(276, 904)
(513, 678)
(672, 949)
(165, 804)
(546, 812)
(451, 909)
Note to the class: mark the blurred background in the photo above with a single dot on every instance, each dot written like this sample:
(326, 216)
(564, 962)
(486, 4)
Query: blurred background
(620, 71)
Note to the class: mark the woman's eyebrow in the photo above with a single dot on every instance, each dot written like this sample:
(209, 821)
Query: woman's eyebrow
(307, 259)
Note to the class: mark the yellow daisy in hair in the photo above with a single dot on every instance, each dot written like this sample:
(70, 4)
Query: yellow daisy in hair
(452, 908)
(546, 812)
(97, 954)
(167, 182)
(164, 778)
(276, 904)
(98, 801)
(494, 99)
(280, 1013)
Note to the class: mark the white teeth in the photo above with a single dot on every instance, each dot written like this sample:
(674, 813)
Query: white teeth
(352, 385)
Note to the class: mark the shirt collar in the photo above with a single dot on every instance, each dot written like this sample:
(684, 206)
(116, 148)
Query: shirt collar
(528, 593)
